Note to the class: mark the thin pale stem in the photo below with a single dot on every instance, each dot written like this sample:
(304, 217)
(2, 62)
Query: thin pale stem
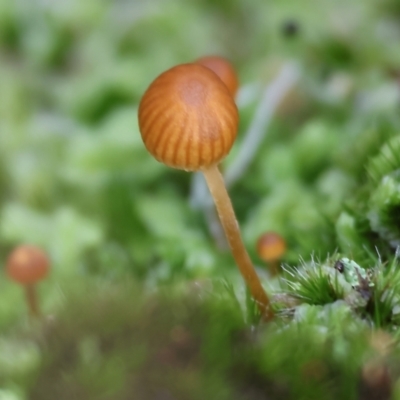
(272, 97)
(31, 298)
(227, 216)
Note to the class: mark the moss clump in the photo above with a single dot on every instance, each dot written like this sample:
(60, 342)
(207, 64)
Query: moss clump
(115, 343)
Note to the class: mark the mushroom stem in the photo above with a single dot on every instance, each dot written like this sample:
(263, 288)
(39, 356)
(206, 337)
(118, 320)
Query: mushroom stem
(227, 216)
(31, 297)
(274, 267)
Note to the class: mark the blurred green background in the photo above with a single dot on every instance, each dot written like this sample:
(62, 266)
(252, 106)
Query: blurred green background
(76, 180)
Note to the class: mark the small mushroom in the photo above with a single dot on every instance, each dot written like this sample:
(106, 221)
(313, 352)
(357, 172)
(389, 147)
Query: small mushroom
(223, 68)
(188, 120)
(376, 382)
(270, 248)
(27, 265)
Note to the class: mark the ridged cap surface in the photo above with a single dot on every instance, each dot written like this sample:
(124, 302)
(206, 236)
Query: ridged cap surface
(187, 118)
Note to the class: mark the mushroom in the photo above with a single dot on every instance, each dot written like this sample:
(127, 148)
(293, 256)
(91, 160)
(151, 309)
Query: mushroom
(270, 248)
(223, 68)
(27, 265)
(188, 120)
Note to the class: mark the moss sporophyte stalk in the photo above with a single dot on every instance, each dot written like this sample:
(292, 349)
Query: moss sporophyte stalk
(188, 120)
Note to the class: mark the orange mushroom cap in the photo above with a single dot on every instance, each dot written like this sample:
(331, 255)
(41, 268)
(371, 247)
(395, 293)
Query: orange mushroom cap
(27, 265)
(187, 118)
(223, 68)
(271, 246)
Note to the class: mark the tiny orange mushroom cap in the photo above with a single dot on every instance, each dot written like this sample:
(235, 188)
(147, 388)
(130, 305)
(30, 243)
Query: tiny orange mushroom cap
(270, 248)
(188, 120)
(27, 265)
(223, 68)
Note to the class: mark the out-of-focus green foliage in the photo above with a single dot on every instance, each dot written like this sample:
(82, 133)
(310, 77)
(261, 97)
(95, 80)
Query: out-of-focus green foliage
(189, 348)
